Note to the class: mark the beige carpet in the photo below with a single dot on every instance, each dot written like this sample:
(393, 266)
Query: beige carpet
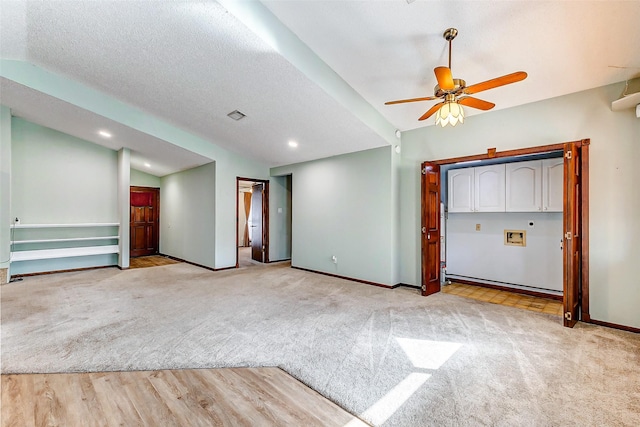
(390, 356)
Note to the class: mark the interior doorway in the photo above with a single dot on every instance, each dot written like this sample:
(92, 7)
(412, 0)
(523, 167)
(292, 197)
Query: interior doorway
(574, 217)
(252, 221)
(144, 236)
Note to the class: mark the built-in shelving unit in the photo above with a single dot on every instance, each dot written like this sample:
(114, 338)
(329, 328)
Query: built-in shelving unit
(51, 247)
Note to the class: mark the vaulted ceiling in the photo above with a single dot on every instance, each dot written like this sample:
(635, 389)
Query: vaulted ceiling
(317, 72)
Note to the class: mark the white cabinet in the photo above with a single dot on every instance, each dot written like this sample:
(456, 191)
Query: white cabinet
(489, 188)
(478, 189)
(552, 184)
(524, 186)
(461, 190)
(535, 186)
(530, 186)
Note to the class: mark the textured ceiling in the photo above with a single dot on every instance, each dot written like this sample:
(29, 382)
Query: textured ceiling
(192, 62)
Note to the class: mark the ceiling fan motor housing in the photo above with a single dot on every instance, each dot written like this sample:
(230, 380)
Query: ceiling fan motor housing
(458, 87)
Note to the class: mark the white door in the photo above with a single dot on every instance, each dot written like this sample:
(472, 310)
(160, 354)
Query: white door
(489, 188)
(524, 186)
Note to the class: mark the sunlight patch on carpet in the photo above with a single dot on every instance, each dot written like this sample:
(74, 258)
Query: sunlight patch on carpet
(427, 354)
(395, 398)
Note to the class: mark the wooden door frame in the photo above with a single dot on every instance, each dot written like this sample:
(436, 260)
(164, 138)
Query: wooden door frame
(265, 215)
(583, 146)
(156, 214)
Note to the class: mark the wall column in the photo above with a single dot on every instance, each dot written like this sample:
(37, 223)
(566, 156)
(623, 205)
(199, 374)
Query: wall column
(5, 193)
(124, 176)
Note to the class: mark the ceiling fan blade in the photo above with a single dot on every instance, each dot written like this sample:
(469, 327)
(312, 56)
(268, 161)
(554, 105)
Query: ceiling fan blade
(445, 79)
(431, 111)
(499, 81)
(402, 101)
(476, 103)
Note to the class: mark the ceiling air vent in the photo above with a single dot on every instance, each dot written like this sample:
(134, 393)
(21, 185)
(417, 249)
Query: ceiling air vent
(236, 115)
(630, 97)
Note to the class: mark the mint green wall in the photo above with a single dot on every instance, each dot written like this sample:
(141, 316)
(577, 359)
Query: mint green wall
(5, 185)
(614, 174)
(342, 206)
(280, 218)
(143, 179)
(187, 215)
(59, 179)
(56, 178)
(228, 165)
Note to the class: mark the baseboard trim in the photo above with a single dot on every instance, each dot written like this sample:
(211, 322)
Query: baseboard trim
(71, 270)
(406, 285)
(196, 264)
(508, 289)
(614, 326)
(366, 282)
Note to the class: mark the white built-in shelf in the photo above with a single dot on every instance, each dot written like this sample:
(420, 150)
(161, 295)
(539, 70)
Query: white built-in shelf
(73, 239)
(103, 224)
(63, 253)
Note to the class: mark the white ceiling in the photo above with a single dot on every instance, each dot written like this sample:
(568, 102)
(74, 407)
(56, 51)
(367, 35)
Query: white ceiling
(191, 63)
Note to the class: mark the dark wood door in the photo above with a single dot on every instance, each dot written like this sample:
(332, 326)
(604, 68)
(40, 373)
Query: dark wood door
(257, 229)
(430, 228)
(143, 222)
(571, 229)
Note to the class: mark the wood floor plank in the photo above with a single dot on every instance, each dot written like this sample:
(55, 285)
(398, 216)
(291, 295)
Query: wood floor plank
(198, 397)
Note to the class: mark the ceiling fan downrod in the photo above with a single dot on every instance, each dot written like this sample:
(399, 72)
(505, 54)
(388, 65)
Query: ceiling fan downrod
(449, 35)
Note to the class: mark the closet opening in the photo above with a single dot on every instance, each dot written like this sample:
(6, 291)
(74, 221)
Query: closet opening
(515, 220)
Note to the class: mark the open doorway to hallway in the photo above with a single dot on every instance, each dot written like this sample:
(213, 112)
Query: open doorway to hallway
(252, 221)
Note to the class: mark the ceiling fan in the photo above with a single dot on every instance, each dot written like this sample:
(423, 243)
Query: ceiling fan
(454, 92)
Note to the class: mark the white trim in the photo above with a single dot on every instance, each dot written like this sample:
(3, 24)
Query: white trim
(104, 224)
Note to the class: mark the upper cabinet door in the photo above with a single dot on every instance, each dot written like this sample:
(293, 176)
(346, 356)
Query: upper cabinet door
(524, 186)
(489, 188)
(460, 190)
(552, 184)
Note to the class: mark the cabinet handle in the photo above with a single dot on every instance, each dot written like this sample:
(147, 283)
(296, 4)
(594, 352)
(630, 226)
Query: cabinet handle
(546, 207)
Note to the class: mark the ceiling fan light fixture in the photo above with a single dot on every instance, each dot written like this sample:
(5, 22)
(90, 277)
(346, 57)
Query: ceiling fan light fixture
(450, 113)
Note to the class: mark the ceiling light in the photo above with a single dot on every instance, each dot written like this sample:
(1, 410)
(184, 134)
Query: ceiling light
(147, 164)
(104, 134)
(293, 144)
(236, 115)
(450, 113)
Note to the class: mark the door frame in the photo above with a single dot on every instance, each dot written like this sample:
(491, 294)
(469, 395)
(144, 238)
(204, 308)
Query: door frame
(265, 215)
(156, 214)
(583, 210)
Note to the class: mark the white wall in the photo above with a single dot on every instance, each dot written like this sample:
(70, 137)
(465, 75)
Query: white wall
(614, 174)
(342, 206)
(483, 254)
(187, 215)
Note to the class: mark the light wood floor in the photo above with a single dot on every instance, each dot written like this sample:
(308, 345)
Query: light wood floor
(197, 397)
(511, 299)
(150, 261)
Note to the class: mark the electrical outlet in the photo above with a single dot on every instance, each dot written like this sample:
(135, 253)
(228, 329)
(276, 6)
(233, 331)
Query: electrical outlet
(477, 227)
(334, 259)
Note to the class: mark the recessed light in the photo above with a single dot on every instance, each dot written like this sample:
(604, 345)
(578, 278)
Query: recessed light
(293, 144)
(147, 164)
(104, 133)
(236, 115)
